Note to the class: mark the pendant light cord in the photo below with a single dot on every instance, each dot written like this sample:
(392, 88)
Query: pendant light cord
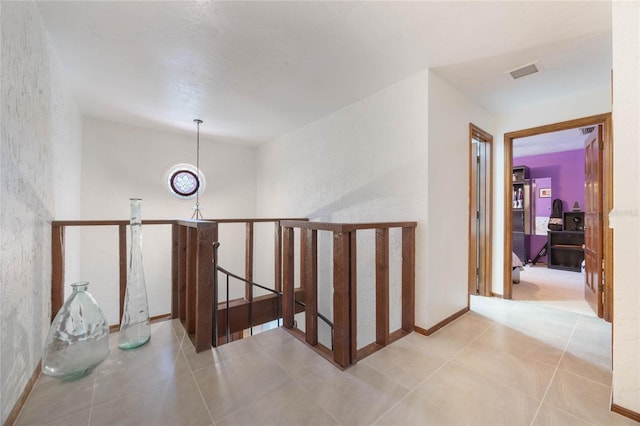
(197, 214)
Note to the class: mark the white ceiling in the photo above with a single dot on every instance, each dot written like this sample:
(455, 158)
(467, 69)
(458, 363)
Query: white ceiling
(256, 70)
(547, 143)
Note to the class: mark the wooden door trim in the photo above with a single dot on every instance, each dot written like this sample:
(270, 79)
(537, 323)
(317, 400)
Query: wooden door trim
(486, 235)
(607, 175)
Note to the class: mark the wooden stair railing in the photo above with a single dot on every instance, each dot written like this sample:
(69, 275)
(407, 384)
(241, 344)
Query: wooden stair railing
(345, 351)
(191, 267)
(192, 275)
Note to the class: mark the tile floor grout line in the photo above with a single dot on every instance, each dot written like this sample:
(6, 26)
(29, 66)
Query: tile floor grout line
(293, 379)
(93, 396)
(555, 371)
(175, 363)
(409, 392)
(447, 361)
(193, 377)
(315, 402)
(241, 408)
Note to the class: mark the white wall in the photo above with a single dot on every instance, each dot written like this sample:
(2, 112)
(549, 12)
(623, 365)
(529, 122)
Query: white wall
(626, 215)
(39, 182)
(121, 161)
(364, 163)
(393, 156)
(450, 113)
(567, 107)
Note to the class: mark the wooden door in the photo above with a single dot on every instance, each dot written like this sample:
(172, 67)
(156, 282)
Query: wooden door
(593, 253)
(480, 211)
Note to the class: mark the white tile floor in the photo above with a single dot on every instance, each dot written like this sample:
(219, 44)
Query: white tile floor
(506, 362)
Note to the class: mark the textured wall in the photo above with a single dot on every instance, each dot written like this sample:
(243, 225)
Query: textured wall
(380, 160)
(450, 113)
(363, 163)
(39, 177)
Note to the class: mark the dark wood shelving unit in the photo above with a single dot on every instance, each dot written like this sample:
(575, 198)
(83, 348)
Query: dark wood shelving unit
(565, 250)
(521, 212)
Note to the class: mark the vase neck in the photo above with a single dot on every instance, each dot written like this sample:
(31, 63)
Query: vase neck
(136, 218)
(79, 287)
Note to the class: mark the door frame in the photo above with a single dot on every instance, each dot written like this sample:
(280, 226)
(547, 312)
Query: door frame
(607, 176)
(484, 231)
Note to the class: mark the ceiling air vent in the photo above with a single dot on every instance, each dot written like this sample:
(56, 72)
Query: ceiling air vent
(524, 71)
(586, 130)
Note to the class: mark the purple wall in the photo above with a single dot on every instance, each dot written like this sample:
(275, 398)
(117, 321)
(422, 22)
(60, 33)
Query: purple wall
(566, 170)
(543, 205)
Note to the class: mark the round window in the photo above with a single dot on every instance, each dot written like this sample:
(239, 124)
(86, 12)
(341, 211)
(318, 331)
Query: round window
(185, 181)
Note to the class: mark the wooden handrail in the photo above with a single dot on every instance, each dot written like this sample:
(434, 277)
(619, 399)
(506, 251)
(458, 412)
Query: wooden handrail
(344, 227)
(110, 222)
(186, 222)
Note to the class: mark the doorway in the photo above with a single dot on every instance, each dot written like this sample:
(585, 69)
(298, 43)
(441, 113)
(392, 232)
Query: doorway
(480, 202)
(601, 285)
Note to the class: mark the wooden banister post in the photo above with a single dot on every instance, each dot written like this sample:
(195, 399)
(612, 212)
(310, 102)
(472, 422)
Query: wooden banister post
(408, 278)
(341, 299)
(191, 282)
(182, 272)
(248, 259)
(288, 296)
(277, 257)
(175, 269)
(216, 322)
(382, 286)
(309, 275)
(57, 269)
(353, 288)
(206, 234)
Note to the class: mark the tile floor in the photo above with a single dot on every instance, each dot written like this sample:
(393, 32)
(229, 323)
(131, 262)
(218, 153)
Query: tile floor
(505, 362)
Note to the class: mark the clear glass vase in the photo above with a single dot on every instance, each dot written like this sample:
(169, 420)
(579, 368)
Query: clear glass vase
(135, 330)
(78, 339)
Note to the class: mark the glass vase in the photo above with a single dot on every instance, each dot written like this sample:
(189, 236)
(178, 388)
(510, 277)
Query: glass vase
(135, 330)
(78, 339)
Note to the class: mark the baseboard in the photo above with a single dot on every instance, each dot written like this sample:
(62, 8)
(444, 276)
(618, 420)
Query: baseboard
(438, 326)
(499, 296)
(13, 415)
(158, 318)
(625, 412)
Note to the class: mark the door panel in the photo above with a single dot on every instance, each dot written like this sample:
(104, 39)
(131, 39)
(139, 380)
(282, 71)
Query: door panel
(593, 220)
(473, 219)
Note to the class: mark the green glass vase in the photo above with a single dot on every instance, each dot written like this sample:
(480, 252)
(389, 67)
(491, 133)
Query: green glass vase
(135, 330)
(78, 339)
